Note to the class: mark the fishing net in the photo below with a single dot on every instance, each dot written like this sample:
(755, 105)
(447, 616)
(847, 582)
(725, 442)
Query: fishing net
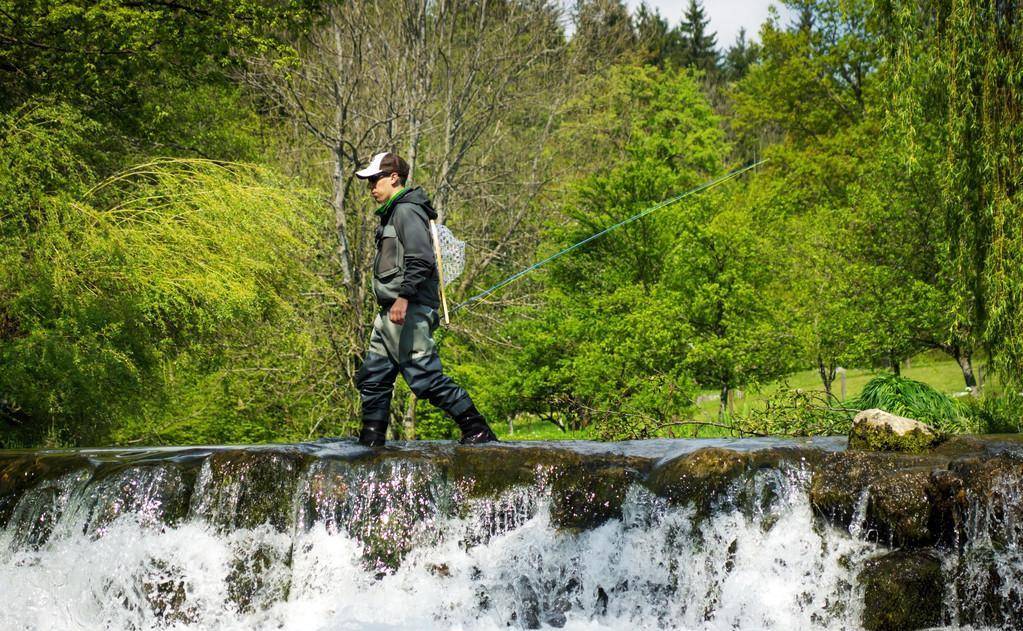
(452, 253)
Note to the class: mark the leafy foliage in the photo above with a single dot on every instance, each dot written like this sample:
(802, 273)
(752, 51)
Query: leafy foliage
(161, 281)
(913, 399)
(158, 269)
(955, 79)
(798, 412)
(995, 413)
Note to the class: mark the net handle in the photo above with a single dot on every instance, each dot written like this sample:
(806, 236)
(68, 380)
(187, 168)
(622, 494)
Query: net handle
(440, 268)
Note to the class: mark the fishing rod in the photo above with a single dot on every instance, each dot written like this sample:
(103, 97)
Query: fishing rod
(668, 202)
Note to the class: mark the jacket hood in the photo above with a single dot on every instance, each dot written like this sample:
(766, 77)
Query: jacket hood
(418, 197)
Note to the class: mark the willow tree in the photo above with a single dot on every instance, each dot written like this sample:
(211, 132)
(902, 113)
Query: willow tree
(956, 75)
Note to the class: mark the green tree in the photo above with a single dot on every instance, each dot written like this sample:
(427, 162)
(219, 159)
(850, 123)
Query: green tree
(865, 275)
(633, 322)
(603, 34)
(699, 47)
(955, 95)
(657, 42)
(724, 270)
(155, 75)
(739, 57)
(106, 288)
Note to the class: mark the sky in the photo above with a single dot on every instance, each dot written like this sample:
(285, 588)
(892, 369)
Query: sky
(726, 16)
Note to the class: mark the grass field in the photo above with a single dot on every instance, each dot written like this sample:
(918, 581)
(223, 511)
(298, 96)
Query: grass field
(932, 368)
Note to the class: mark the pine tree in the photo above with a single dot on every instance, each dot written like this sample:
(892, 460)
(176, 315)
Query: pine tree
(740, 56)
(657, 43)
(699, 47)
(804, 22)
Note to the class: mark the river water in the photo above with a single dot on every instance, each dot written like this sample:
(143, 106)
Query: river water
(318, 539)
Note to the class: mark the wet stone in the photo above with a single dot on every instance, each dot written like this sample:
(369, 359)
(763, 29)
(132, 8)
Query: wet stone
(988, 589)
(155, 494)
(700, 477)
(259, 576)
(20, 473)
(587, 496)
(947, 498)
(489, 470)
(556, 616)
(166, 594)
(993, 499)
(527, 612)
(41, 508)
(837, 485)
(900, 490)
(899, 509)
(490, 517)
(600, 606)
(902, 591)
(247, 488)
(390, 506)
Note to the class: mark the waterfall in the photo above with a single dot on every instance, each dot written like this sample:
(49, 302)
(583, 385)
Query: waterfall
(648, 535)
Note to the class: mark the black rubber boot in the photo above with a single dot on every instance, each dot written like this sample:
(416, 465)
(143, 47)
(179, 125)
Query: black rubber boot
(474, 427)
(373, 434)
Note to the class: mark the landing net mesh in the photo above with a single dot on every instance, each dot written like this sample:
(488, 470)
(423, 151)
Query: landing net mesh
(452, 253)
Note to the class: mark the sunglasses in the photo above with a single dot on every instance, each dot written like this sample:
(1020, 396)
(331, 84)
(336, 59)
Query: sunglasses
(373, 179)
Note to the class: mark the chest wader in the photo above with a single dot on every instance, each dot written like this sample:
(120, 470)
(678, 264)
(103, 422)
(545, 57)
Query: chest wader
(409, 349)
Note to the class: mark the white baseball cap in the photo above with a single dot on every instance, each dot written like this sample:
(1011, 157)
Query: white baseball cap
(385, 163)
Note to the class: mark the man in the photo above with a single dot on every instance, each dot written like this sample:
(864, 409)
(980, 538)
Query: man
(405, 282)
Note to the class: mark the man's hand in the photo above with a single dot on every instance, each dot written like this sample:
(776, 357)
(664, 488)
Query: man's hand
(398, 309)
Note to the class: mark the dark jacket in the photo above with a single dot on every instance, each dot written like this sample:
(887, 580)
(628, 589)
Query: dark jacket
(405, 264)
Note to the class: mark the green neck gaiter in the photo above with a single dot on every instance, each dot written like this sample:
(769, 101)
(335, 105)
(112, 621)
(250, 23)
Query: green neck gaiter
(387, 205)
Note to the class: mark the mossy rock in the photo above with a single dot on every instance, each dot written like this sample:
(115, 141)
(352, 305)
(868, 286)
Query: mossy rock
(259, 577)
(904, 501)
(902, 591)
(489, 470)
(166, 594)
(158, 493)
(899, 509)
(877, 430)
(247, 488)
(22, 472)
(711, 476)
(43, 506)
(947, 497)
(991, 497)
(700, 477)
(328, 483)
(387, 504)
(587, 496)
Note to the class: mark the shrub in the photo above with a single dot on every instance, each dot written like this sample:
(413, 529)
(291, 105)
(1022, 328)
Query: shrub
(913, 399)
(995, 414)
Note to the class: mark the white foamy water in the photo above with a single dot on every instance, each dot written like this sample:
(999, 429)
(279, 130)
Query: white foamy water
(400, 544)
(770, 567)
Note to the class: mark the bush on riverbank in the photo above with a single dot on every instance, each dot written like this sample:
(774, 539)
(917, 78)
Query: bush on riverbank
(165, 304)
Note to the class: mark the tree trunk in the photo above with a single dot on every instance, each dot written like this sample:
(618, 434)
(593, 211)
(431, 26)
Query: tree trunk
(340, 221)
(966, 365)
(827, 373)
(895, 365)
(409, 419)
(723, 403)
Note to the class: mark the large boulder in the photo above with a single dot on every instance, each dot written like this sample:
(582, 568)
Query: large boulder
(902, 590)
(877, 430)
(897, 499)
